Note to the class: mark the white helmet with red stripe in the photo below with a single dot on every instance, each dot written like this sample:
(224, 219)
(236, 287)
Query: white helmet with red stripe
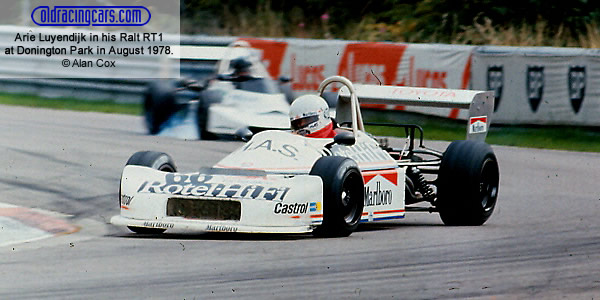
(309, 114)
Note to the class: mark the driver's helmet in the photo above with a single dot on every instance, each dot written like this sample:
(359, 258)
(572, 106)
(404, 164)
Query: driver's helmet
(309, 114)
(240, 65)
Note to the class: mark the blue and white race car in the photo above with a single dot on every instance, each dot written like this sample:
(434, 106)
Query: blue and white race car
(223, 90)
(280, 182)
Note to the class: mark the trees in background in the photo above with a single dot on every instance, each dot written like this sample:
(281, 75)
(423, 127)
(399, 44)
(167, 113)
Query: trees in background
(402, 20)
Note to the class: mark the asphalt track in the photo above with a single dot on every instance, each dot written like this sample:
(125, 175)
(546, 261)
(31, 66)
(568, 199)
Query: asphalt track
(543, 241)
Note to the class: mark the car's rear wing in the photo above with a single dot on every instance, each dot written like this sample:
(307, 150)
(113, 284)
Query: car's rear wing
(214, 53)
(222, 56)
(479, 103)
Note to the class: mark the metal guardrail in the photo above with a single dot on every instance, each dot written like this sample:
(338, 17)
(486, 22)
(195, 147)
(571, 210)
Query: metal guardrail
(124, 90)
(532, 85)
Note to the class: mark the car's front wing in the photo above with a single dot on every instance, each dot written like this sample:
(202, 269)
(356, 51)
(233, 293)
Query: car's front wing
(219, 203)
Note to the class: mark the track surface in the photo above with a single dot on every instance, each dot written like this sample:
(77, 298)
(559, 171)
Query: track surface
(543, 241)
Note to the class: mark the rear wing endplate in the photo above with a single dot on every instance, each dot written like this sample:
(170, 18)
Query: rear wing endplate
(479, 103)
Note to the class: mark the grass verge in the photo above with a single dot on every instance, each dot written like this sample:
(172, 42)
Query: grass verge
(572, 138)
(105, 106)
(545, 137)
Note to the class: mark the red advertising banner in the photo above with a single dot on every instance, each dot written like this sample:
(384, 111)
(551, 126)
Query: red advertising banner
(309, 62)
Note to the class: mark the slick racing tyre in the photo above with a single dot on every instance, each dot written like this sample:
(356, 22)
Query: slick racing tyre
(343, 195)
(467, 183)
(159, 104)
(156, 160)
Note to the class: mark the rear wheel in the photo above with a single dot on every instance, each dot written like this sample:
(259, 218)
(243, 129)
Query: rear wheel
(467, 183)
(343, 195)
(156, 160)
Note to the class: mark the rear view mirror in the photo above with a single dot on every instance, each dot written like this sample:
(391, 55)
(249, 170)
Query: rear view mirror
(345, 138)
(284, 79)
(243, 134)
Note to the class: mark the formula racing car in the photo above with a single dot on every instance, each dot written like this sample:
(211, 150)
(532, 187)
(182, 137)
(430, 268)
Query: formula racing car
(239, 94)
(280, 182)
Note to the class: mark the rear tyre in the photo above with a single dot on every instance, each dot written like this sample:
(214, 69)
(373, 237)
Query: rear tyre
(159, 104)
(467, 183)
(156, 160)
(343, 195)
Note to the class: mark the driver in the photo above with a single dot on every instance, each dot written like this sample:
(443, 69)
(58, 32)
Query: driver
(309, 116)
(241, 69)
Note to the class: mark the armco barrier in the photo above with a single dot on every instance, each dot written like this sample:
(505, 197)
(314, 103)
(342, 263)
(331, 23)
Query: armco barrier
(558, 86)
(90, 88)
(532, 85)
(306, 62)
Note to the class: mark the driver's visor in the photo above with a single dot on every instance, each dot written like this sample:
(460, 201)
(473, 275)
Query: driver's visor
(303, 122)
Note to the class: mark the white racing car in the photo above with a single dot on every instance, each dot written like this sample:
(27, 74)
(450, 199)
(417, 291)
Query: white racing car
(279, 182)
(240, 94)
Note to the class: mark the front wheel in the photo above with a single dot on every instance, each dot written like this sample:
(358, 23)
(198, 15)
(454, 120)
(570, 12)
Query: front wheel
(343, 195)
(153, 159)
(156, 160)
(467, 183)
(202, 119)
(159, 104)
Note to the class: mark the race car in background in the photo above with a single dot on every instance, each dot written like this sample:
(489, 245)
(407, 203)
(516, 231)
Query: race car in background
(238, 94)
(280, 182)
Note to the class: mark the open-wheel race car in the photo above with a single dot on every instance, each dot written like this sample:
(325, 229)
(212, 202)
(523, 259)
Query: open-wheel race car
(222, 90)
(281, 182)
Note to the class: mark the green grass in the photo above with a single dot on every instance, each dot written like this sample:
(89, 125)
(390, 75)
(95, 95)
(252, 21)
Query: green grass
(553, 137)
(544, 137)
(548, 137)
(105, 106)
